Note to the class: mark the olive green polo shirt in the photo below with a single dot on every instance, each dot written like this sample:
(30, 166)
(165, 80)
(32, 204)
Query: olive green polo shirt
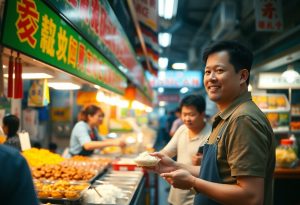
(247, 147)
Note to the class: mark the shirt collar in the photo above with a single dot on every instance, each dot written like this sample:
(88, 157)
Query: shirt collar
(234, 105)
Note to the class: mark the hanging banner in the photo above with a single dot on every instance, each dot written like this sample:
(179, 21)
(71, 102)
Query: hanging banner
(97, 23)
(33, 28)
(147, 14)
(176, 79)
(38, 95)
(268, 14)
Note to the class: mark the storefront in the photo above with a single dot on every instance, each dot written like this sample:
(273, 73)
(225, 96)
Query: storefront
(70, 61)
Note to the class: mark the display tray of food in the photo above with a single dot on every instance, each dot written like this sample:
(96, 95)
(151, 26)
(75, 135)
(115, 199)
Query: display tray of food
(63, 172)
(85, 171)
(60, 191)
(114, 188)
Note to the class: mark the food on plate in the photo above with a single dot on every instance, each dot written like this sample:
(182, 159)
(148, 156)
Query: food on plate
(146, 160)
(72, 194)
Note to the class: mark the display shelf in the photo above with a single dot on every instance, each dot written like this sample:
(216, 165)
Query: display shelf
(271, 102)
(277, 109)
(295, 115)
(281, 130)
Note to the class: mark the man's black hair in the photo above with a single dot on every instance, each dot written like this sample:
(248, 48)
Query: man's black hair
(194, 100)
(239, 55)
(12, 123)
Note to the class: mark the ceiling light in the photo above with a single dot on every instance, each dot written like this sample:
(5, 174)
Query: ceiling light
(97, 87)
(32, 76)
(149, 109)
(179, 66)
(164, 39)
(161, 7)
(63, 86)
(4, 66)
(163, 62)
(167, 8)
(184, 90)
(162, 103)
(161, 89)
(162, 75)
(290, 75)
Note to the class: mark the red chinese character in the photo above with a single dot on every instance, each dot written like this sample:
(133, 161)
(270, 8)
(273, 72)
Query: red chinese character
(84, 9)
(81, 54)
(261, 24)
(73, 3)
(89, 68)
(269, 10)
(95, 15)
(27, 21)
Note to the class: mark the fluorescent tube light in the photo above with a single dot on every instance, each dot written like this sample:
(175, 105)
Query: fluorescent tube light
(162, 103)
(161, 7)
(63, 86)
(32, 76)
(160, 89)
(163, 62)
(184, 90)
(179, 66)
(167, 8)
(164, 39)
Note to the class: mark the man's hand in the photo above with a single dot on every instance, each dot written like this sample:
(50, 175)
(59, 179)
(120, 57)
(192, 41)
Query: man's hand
(165, 164)
(180, 179)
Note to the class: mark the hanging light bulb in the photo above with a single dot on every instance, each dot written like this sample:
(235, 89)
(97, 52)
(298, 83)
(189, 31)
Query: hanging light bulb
(290, 75)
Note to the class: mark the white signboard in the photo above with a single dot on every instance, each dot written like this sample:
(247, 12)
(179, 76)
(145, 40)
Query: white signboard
(24, 140)
(276, 81)
(268, 14)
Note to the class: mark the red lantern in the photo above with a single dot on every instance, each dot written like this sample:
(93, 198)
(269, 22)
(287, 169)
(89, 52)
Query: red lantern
(18, 78)
(130, 92)
(10, 85)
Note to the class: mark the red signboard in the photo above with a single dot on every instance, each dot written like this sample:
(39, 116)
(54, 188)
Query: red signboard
(268, 15)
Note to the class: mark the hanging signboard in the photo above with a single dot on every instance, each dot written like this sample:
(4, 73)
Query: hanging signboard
(276, 81)
(169, 98)
(268, 14)
(31, 27)
(176, 79)
(97, 23)
(147, 14)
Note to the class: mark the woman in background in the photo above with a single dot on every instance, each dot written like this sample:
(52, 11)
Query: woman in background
(85, 138)
(10, 127)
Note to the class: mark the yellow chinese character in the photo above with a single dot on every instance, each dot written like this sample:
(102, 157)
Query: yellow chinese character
(72, 52)
(48, 36)
(62, 45)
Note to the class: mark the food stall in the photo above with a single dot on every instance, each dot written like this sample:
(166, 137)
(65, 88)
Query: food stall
(45, 39)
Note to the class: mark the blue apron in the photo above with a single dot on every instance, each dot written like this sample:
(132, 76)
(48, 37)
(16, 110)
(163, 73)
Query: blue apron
(209, 169)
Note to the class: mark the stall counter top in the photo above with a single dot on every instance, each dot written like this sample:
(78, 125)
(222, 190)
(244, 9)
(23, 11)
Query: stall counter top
(287, 173)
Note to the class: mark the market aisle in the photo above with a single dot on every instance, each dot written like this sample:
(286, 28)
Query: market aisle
(164, 188)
